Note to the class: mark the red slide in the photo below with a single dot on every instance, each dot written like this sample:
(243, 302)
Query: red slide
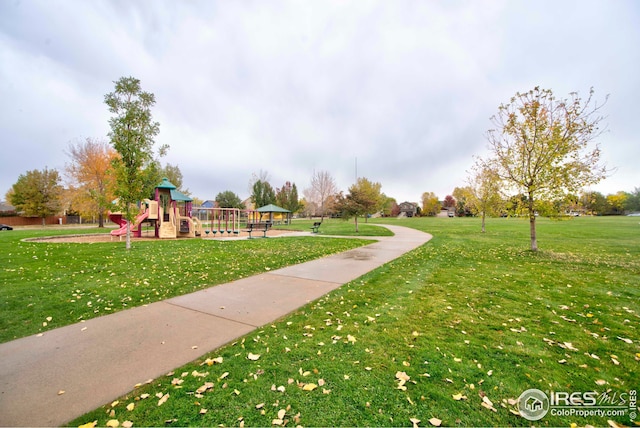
(120, 221)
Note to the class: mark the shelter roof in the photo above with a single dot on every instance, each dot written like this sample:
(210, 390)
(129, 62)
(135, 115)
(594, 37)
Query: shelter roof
(272, 209)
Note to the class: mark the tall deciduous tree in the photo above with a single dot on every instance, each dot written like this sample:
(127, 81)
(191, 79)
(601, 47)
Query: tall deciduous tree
(262, 194)
(430, 204)
(322, 190)
(132, 136)
(540, 146)
(364, 198)
(91, 176)
(37, 193)
(228, 199)
(632, 203)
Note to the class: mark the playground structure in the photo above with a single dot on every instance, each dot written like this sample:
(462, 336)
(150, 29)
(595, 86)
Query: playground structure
(169, 212)
(172, 215)
(147, 213)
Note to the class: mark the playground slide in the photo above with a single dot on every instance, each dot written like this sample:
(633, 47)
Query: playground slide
(123, 223)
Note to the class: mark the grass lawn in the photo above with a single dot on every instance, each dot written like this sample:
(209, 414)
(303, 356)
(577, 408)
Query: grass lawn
(49, 285)
(338, 227)
(455, 330)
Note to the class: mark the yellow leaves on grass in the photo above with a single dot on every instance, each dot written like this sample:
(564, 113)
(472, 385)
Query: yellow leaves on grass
(253, 357)
(212, 361)
(459, 397)
(163, 399)
(402, 378)
(435, 422)
(487, 404)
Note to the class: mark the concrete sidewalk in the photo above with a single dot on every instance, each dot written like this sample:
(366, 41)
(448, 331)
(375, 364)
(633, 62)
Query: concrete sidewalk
(101, 359)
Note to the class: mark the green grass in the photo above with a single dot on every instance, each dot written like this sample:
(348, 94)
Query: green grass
(467, 313)
(48, 285)
(338, 227)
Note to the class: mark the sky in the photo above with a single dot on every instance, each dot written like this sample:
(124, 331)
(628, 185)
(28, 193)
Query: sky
(399, 92)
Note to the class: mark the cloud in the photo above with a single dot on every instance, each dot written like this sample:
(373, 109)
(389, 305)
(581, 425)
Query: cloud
(291, 87)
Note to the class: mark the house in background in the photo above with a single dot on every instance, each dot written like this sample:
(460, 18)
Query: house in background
(408, 209)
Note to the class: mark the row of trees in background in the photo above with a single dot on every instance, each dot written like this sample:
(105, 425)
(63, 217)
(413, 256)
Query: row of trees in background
(539, 152)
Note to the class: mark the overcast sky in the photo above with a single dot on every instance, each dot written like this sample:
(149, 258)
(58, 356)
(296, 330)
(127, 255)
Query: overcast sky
(288, 87)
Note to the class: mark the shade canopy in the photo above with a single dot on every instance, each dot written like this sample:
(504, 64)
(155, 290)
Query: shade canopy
(272, 209)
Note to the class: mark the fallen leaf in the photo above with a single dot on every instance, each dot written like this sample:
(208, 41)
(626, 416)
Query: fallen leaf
(435, 422)
(625, 340)
(486, 403)
(601, 382)
(89, 424)
(281, 413)
(163, 400)
(205, 387)
(459, 397)
(203, 411)
(253, 357)
(212, 361)
(351, 339)
(115, 403)
(223, 375)
(127, 424)
(415, 422)
(61, 392)
(402, 376)
(309, 387)
(131, 406)
(613, 424)
(259, 406)
(113, 423)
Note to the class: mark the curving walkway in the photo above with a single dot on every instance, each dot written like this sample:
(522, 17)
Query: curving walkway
(96, 361)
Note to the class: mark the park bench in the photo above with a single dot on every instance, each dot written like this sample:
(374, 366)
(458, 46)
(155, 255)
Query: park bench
(316, 226)
(260, 227)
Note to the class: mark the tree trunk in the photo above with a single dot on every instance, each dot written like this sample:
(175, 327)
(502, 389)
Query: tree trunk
(532, 225)
(100, 220)
(483, 217)
(128, 239)
(357, 231)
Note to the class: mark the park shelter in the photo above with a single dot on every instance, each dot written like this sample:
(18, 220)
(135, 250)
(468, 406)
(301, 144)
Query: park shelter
(275, 213)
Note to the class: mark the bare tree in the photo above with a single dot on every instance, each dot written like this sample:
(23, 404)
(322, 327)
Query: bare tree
(323, 187)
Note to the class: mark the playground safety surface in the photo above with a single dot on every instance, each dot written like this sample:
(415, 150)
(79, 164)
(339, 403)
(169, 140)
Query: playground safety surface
(96, 361)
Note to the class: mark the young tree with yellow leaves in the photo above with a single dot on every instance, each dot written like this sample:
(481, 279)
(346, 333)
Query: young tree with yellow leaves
(540, 147)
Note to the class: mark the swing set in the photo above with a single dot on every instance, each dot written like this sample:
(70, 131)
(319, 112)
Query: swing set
(221, 220)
